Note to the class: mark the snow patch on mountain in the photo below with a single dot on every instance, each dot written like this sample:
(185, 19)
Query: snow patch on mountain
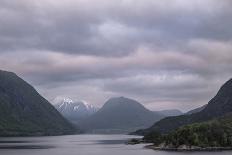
(74, 110)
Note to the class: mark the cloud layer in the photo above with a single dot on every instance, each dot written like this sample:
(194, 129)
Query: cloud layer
(166, 54)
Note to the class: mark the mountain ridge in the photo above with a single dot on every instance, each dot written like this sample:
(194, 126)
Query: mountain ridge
(217, 106)
(23, 111)
(121, 115)
(170, 112)
(196, 110)
(75, 111)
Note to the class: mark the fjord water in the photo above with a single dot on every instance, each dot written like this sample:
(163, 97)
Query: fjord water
(82, 145)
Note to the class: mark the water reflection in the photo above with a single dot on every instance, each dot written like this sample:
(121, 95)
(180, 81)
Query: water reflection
(15, 141)
(25, 147)
(82, 145)
(23, 144)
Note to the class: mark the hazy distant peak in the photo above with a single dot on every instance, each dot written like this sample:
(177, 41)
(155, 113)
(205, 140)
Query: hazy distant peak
(121, 101)
(170, 112)
(120, 114)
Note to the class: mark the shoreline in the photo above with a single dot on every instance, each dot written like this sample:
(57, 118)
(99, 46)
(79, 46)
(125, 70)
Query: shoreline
(189, 149)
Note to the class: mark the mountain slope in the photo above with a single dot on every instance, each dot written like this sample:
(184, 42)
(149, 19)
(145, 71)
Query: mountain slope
(196, 110)
(170, 112)
(218, 106)
(75, 111)
(120, 115)
(24, 112)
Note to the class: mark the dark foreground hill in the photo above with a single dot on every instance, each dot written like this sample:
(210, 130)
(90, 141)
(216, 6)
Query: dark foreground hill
(211, 135)
(24, 112)
(120, 115)
(220, 105)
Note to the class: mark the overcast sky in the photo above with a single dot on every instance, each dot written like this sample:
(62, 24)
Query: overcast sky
(163, 53)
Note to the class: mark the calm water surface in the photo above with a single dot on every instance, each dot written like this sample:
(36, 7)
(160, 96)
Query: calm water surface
(82, 145)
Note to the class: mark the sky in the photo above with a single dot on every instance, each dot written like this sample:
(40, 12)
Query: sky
(166, 54)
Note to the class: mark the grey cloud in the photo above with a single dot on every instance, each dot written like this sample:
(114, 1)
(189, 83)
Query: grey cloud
(71, 28)
(119, 48)
(63, 67)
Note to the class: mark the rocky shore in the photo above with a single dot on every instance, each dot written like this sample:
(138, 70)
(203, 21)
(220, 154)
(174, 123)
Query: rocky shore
(135, 141)
(181, 148)
(187, 148)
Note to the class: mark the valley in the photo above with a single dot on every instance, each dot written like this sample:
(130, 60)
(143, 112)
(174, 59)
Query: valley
(24, 112)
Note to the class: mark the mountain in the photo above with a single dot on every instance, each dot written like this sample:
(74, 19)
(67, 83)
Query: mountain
(170, 112)
(220, 105)
(23, 111)
(75, 111)
(120, 115)
(196, 110)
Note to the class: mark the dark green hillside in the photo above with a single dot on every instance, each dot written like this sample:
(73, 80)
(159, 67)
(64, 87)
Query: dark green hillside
(24, 112)
(215, 133)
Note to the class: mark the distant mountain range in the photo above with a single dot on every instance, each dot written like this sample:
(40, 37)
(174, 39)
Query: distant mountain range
(75, 111)
(120, 115)
(23, 111)
(196, 110)
(217, 107)
(171, 112)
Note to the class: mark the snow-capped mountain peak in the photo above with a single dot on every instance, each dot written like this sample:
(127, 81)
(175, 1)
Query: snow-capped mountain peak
(65, 103)
(74, 109)
(68, 100)
(88, 106)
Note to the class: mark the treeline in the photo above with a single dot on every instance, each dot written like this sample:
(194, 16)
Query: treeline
(215, 133)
